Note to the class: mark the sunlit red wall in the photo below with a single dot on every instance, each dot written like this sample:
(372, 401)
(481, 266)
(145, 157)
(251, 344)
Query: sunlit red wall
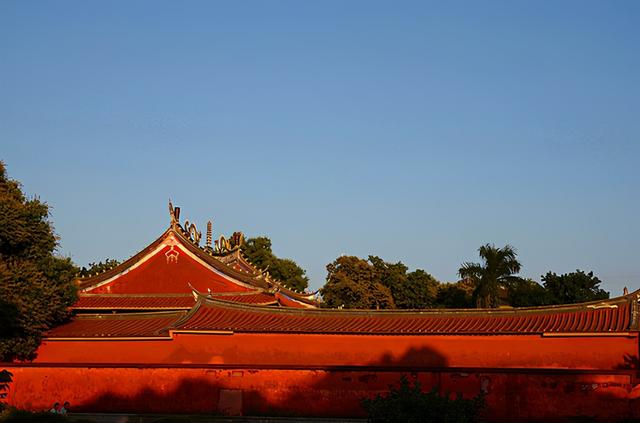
(499, 351)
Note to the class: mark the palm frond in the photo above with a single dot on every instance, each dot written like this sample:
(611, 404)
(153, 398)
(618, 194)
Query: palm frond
(470, 270)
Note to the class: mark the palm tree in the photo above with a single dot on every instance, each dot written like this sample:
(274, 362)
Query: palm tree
(499, 267)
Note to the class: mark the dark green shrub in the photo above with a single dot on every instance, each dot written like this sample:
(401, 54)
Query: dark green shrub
(407, 403)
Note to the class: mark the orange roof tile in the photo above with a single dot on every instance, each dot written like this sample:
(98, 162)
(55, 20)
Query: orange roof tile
(117, 325)
(210, 314)
(132, 302)
(256, 298)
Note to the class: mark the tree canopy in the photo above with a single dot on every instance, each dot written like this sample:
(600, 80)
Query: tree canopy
(258, 251)
(527, 293)
(36, 286)
(573, 287)
(373, 283)
(455, 295)
(496, 272)
(99, 267)
(353, 282)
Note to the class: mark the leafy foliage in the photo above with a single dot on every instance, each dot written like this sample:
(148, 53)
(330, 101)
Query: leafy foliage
(416, 289)
(258, 251)
(455, 295)
(527, 293)
(420, 290)
(407, 403)
(354, 283)
(101, 266)
(573, 287)
(498, 269)
(35, 285)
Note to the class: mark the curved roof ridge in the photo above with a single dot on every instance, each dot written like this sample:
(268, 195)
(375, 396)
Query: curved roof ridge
(227, 294)
(155, 295)
(300, 296)
(216, 263)
(202, 297)
(513, 311)
(283, 298)
(89, 281)
(134, 315)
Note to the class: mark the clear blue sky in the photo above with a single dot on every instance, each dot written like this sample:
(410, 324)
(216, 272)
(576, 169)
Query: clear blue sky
(415, 131)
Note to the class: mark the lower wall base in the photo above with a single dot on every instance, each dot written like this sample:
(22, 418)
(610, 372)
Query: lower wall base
(511, 394)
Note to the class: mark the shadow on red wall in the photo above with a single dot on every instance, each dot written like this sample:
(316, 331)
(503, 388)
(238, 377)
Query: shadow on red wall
(286, 392)
(512, 394)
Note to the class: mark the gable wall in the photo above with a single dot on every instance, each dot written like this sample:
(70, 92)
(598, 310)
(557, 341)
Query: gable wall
(168, 270)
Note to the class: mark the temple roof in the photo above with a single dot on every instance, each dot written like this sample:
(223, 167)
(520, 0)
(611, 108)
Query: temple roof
(166, 271)
(213, 314)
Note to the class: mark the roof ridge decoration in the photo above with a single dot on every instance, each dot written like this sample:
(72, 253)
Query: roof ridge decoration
(223, 247)
(174, 214)
(207, 244)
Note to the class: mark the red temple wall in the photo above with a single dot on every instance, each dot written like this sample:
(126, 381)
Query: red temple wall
(516, 395)
(500, 351)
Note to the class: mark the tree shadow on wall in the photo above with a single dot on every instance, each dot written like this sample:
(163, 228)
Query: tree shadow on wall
(192, 395)
(338, 391)
(524, 395)
(333, 392)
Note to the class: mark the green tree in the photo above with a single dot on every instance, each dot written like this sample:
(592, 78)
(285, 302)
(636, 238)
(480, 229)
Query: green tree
(497, 270)
(36, 286)
(574, 287)
(258, 251)
(527, 293)
(101, 266)
(420, 290)
(415, 289)
(355, 283)
(391, 275)
(455, 295)
(359, 283)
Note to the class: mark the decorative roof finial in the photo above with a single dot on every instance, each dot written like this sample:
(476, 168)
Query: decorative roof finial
(625, 291)
(192, 232)
(237, 239)
(209, 234)
(174, 214)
